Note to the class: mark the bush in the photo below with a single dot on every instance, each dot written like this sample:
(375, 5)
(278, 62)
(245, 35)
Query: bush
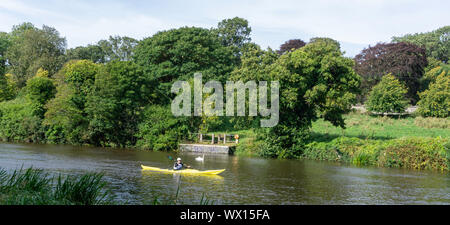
(431, 75)
(388, 96)
(436, 100)
(159, 129)
(412, 152)
(18, 121)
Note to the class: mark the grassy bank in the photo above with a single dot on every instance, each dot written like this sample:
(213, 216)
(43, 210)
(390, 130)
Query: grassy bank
(411, 142)
(36, 187)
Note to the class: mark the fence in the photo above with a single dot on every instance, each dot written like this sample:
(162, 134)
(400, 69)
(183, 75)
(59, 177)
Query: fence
(213, 138)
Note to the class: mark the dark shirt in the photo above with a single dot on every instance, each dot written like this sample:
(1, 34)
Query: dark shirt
(178, 166)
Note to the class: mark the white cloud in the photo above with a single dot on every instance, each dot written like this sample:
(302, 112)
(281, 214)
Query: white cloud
(352, 22)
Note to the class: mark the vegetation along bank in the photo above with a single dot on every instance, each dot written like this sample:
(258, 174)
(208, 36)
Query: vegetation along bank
(116, 93)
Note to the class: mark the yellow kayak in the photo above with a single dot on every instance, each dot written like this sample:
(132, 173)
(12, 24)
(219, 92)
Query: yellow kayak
(185, 171)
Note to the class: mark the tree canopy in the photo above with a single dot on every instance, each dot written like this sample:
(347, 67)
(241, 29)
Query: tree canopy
(234, 32)
(403, 60)
(32, 48)
(291, 45)
(179, 53)
(436, 43)
(388, 96)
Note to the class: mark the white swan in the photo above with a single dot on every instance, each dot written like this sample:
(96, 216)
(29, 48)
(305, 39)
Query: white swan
(200, 158)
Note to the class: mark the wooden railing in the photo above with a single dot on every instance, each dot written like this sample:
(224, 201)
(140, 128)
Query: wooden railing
(214, 138)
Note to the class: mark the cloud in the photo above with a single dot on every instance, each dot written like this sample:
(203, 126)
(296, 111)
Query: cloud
(355, 23)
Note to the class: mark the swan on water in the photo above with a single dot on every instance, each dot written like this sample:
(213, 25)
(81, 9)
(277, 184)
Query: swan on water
(200, 158)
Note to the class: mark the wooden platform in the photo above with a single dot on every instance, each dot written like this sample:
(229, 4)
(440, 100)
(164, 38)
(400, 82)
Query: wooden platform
(202, 148)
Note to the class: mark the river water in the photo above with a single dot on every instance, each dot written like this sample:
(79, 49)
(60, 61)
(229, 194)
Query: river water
(247, 180)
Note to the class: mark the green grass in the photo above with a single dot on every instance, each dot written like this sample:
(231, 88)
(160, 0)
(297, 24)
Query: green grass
(36, 187)
(382, 128)
(409, 142)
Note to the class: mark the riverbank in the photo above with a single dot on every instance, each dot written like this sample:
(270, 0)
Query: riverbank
(36, 187)
(415, 143)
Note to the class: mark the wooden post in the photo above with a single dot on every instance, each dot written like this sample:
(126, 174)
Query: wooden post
(201, 138)
(224, 138)
(212, 139)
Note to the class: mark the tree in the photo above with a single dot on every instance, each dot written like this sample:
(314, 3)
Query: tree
(32, 48)
(388, 96)
(403, 60)
(93, 53)
(234, 32)
(291, 45)
(316, 80)
(118, 48)
(113, 104)
(66, 116)
(436, 43)
(159, 129)
(431, 75)
(179, 53)
(4, 44)
(39, 91)
(435, 101)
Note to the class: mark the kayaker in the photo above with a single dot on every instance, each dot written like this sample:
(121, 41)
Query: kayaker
(179, 165)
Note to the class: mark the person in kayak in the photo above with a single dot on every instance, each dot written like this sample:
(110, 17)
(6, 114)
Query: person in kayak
(179, 165)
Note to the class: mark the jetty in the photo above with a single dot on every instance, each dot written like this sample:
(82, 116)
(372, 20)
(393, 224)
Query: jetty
(220, 143)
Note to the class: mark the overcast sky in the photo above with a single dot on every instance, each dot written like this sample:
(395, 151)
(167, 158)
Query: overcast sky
(354, 23)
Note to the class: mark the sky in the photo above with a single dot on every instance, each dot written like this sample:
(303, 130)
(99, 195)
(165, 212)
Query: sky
(356, 24)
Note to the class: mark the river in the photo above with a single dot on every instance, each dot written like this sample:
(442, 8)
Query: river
(247, 180)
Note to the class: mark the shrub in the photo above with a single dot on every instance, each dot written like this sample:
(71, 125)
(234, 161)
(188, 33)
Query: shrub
(412, 152)
(436, 100)
(18, 121)
(388, 96)
(159, 129)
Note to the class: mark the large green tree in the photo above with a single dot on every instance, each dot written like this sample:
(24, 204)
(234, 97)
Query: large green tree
(113, 104)
(436, 43)
(177, 54)
(33, 48)
(91, 52)
(66, 118)
(234, 33)
(118, 48)
(435, 101)
(388, 96)
(315, 81)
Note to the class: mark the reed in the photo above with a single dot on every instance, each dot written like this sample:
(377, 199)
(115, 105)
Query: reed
(36, 187)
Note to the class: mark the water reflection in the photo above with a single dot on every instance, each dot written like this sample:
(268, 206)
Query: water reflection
(246, 180)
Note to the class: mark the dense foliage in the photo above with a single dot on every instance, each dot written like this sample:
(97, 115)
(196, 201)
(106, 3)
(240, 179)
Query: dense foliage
(403, 60)
(32, 48)
(291, 45)
(388, 96)
(435, 101)
(317, 82)
(116, 92)
(177, 54)
(436, 43)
